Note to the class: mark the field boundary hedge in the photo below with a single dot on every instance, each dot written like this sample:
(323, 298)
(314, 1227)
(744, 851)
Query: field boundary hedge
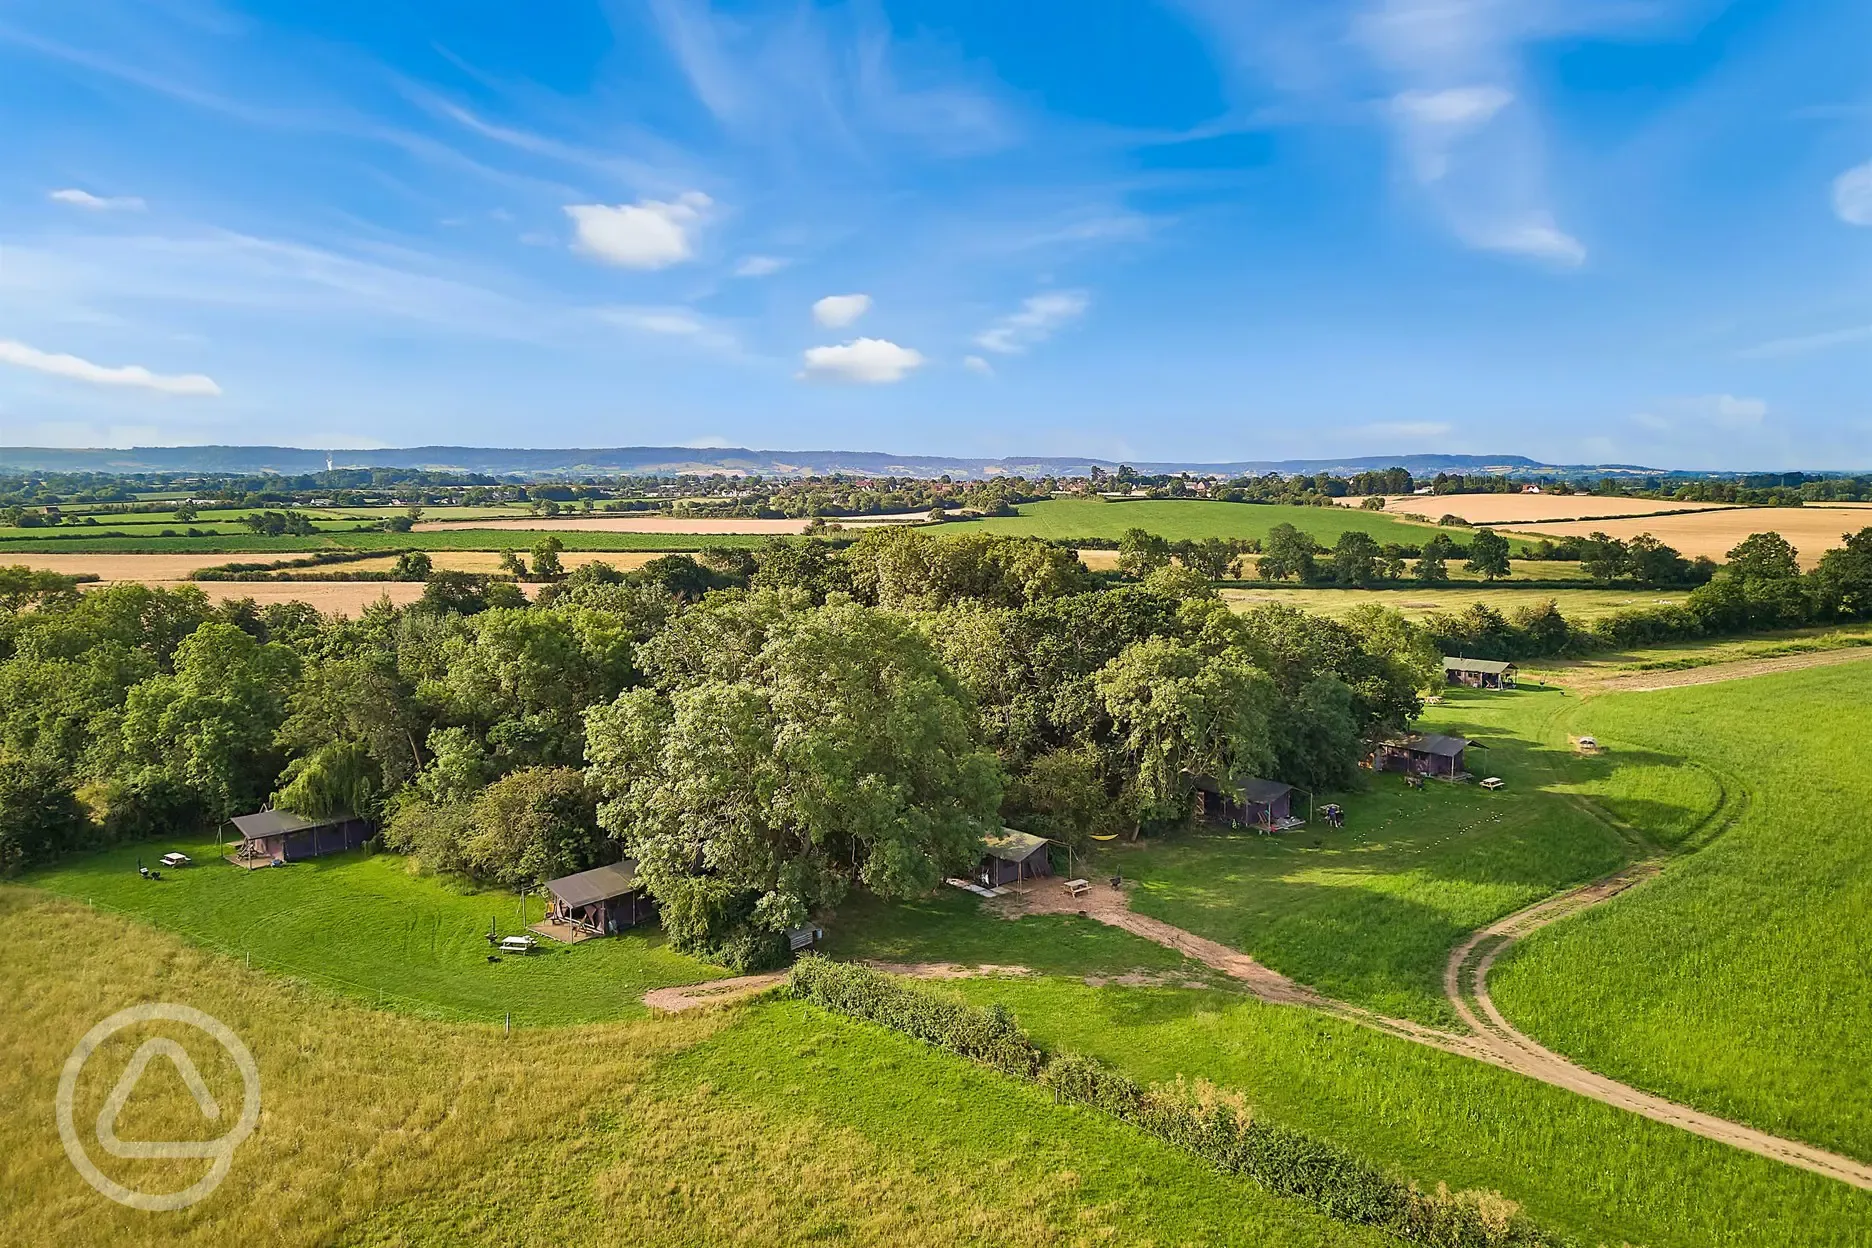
(1198, 1118)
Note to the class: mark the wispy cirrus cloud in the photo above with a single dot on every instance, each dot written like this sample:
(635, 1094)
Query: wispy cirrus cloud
(134, 376)
(97, 203)
(1039, 318)
(1852, 195)
(1803, 344)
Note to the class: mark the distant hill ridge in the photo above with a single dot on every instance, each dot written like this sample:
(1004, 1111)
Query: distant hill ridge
(646, 460)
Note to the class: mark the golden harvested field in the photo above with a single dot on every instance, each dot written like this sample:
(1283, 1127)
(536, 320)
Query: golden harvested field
(347, 597)
(1505, 508)
(1099, 560)
(1575, 604)
(1812, 530)
(152, 568)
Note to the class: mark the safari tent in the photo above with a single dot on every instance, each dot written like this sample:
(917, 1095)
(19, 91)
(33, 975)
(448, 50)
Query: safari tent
(1479, 673)
(602, 901)
(1245, 800)
(269, 836)
(1425, 754)
(1011, 857)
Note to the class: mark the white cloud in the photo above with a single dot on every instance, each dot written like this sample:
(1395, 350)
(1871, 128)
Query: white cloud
(1852, 195)
(709, 442)
(97, 203)
(975, 364)
(871, 361)
(838, 311)
(649, 234)
(760, 266)
(135, 375)
(1037, 320)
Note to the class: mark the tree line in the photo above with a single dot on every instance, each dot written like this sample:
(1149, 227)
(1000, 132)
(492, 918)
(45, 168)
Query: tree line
(763, 730)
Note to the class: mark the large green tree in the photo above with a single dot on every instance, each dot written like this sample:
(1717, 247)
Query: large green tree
(844, 751)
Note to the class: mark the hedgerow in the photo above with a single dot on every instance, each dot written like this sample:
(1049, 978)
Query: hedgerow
(1199, 1118)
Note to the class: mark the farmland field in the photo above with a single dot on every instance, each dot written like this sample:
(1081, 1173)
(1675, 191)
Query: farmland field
(776, 1126)
(1812, 530)
(1179, 520)
(1737, 981)
(1416, 603)
(1503, 508)
(351, 539)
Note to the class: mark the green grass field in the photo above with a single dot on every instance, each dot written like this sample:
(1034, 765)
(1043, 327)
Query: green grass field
(366, 926)
(1369, 912)
(1064, 518)
(1737, 981)
(1603, 1175)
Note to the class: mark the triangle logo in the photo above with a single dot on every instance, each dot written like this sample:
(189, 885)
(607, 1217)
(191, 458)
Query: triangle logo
(157, 1046)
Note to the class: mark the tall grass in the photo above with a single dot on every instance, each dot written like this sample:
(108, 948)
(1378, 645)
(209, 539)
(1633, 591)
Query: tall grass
(762, 1128)
(1738, 981)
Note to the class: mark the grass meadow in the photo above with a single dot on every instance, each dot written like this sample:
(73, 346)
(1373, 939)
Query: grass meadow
(366, 926)
(1368, 913)
(1418, 602)
(1178, 520)
(1601, 1174)
(769, 1126)
(1737, 981)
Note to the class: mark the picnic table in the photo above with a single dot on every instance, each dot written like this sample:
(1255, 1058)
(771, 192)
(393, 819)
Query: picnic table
(175, 860)
(516, 944)
(1078, 888)
(1493, 783)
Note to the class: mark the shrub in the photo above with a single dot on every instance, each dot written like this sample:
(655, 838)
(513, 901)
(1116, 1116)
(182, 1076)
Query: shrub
(987, 1035)
(1199, 1118)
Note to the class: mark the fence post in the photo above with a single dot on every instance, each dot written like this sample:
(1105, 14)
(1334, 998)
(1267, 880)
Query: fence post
(510, 1022)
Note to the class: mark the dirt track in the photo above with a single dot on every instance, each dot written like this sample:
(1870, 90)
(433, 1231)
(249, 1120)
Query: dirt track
(1586, 681)
(1494, 1041)
(1466, 979)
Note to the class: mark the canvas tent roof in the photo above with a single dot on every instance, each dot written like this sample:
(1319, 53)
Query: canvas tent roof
(1013, 846)
(263, 823)
(597, 884)
(1488, 667)
(1261, 792)
(1251, 788)
(1438, 744)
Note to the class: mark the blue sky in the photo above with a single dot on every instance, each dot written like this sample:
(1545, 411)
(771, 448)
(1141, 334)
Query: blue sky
(1584, 230)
